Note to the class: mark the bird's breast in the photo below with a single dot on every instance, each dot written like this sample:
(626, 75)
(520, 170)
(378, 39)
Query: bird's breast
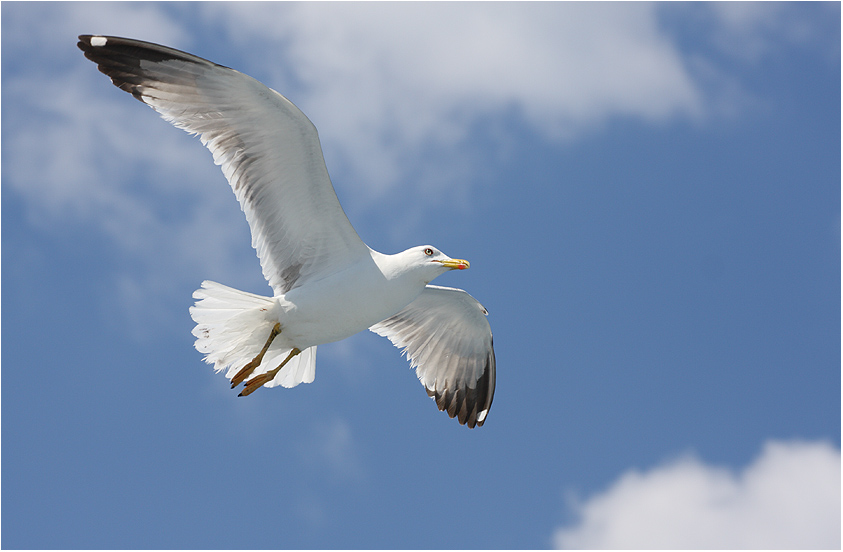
(341, 305)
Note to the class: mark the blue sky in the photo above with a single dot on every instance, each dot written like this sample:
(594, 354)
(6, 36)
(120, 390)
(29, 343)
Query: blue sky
(649, 196)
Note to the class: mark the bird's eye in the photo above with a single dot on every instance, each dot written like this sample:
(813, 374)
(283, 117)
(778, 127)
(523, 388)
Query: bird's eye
(428, 251)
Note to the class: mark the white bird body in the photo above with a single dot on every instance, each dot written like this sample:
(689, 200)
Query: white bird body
(324, 311)
(327, 283)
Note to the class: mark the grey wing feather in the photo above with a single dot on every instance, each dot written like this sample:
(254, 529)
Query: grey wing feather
(446, 337)
(268, 149)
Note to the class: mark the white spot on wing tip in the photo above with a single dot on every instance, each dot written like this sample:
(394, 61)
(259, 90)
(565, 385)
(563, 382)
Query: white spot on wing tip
(98, 41)
(482, 416)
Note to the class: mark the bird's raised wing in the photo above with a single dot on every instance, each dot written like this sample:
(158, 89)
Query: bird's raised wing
(269, 152)
(447, 338)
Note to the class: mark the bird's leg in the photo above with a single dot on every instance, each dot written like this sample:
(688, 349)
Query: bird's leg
(249, 368)
(257, 381)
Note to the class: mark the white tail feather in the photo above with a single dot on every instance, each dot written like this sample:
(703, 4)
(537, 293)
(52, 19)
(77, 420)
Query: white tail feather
(231, 329)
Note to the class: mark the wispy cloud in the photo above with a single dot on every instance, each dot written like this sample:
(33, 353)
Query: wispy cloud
(332, 449)
(789, 497)
(751, 30)
(75, 153)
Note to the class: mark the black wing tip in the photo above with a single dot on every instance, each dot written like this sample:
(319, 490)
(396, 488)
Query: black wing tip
(105, 44)
(100, 48)
(120, 59)
(86, 44)
(470, 406)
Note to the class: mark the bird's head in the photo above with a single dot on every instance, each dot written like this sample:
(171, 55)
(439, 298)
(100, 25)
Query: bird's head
(431, 262)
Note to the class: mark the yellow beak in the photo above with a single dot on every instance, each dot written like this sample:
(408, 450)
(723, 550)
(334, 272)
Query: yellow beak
(457, 264)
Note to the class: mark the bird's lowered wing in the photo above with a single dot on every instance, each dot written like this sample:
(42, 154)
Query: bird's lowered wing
(268, 149)
(446, 337)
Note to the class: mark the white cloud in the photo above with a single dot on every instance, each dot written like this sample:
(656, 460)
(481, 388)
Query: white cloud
(386, 82)
(42, 28)
(395, 88)
(789, 497)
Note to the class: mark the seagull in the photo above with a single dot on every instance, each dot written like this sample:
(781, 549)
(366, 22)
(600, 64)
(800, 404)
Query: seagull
(327, 283)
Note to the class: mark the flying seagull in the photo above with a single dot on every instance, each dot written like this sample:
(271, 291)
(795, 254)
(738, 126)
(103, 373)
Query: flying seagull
(327, 283)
